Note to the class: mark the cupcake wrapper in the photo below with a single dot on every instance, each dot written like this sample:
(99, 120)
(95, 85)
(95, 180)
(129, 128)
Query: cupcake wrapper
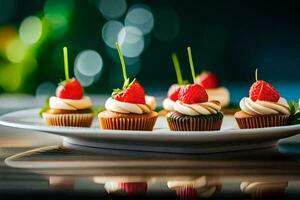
(183, 123)
(262, 121)
(76, 120)
(137, 124)
(186, 193)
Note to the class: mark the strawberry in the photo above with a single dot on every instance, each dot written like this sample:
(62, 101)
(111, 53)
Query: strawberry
(261, 90)
(133, 93)
(70, 89)
(193, 93)
(173, 92)
(208, 80)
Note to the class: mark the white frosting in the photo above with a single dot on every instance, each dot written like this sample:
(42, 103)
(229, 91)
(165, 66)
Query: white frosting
(206, 108)
(70, 104)
(168, 104)
(264, 107)
(151, 101)
(220, 94)
(124, 107)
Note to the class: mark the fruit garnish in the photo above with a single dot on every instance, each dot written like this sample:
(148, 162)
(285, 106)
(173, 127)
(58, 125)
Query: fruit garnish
(131, 92)
(263, 91)
(173, 92)
(69, 88)
(208, 80)
(45, 107)
(193, 93)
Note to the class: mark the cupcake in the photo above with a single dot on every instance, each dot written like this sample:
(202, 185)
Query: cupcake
(210, 82)
(126, 109)
(193, 111)
(263, 108)
(69, 107)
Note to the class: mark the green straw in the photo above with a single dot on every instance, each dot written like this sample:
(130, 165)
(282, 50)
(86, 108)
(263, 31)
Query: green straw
(177, 68)
(191, 63)
(65, 51)
(126, 80)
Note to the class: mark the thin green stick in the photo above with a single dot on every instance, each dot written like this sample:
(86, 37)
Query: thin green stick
(177, 68)
(191, 64)
(256, 74)
(65, 51)
(126, 81)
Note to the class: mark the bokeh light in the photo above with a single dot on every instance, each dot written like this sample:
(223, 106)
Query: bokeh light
(10, 77)
(30, 30)
(45, 90)
(112, 9)
(110, 32)
(140, 17)
(131, 41)
(167, 24)
(7, 35)
(88, 66)
(16, 51)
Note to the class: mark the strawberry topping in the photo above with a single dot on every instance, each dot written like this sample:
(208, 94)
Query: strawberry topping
(208, 80)
(173, 92)
(133, 93)
(193, 93)
(71, 89)
(261, 90)
(134, 188)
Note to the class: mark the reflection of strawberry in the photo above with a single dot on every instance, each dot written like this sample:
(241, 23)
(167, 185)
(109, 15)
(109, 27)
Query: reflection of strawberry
(133, 93)
(70, 89)
(187, 192)
(134, 188)
(208, 80)
(173, 92)
(193, 93)
(261, 90)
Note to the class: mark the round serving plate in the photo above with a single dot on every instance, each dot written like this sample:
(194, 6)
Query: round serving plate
(161, 139)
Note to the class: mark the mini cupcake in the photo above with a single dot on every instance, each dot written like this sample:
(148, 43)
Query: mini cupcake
(126, 109)
(193, 111)
(69, 107)
(263, 108)
(211, 84)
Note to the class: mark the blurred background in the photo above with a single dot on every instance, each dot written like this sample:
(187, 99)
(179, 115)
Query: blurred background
(230, 38)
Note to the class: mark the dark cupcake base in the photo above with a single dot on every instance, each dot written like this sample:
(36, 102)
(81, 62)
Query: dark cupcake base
(180, 122)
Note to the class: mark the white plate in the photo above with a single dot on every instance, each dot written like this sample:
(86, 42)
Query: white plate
(160, 139)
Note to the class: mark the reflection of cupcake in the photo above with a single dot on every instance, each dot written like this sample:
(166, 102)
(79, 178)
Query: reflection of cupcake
(264, 190)
(193, 189)
(193, 111)
(210, 82)
(127, 108)
(263, 108)
(69, 107)
(126, 188)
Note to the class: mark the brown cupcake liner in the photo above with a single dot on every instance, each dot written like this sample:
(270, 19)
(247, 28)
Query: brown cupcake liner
(189, 123)
(262, 121)
(76, 120)
(136, 124)
(186, 192)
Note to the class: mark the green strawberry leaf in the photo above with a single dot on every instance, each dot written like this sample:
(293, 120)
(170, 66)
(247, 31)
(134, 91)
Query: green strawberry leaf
(295, 114)
(293, 106)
